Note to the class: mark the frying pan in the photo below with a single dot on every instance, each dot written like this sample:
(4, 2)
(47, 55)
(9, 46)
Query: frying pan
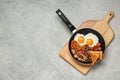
(83, 31)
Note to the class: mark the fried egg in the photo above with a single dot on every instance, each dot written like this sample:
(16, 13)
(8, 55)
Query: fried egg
(80, 38)
(91, 39)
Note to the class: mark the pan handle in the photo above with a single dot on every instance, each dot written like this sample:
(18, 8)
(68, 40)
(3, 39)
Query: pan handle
(66, 21)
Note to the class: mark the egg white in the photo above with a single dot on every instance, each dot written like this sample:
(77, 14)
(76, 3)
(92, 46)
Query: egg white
(76, 39)
(93, 37)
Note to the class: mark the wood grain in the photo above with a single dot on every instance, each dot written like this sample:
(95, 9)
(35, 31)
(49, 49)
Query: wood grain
(102, 27)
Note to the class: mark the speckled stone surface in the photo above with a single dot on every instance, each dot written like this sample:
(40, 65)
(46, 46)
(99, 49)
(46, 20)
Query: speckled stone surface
(31, 36)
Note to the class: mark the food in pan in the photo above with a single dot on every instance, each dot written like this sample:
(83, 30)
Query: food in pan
(80, 38)
(80, 52)
(86, 48)
(91, 39)
(97, 52)
(95, 55)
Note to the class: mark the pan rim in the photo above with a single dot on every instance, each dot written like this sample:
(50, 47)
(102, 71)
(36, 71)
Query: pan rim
(88, 30)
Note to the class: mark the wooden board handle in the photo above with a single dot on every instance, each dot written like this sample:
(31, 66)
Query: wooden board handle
(109, 16)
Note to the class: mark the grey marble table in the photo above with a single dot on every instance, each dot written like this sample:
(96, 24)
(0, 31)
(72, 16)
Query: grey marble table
(31, 36)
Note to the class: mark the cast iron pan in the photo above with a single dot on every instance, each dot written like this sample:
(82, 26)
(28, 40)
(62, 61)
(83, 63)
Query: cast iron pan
(83, 31)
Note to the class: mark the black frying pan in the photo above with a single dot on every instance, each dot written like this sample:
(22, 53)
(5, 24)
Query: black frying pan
(81, 31)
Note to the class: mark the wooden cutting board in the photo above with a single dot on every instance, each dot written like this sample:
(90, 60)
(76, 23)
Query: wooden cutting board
(102, 27)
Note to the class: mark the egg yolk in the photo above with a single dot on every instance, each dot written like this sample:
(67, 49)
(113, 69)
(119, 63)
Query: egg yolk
(89, 42)
(81, 39)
